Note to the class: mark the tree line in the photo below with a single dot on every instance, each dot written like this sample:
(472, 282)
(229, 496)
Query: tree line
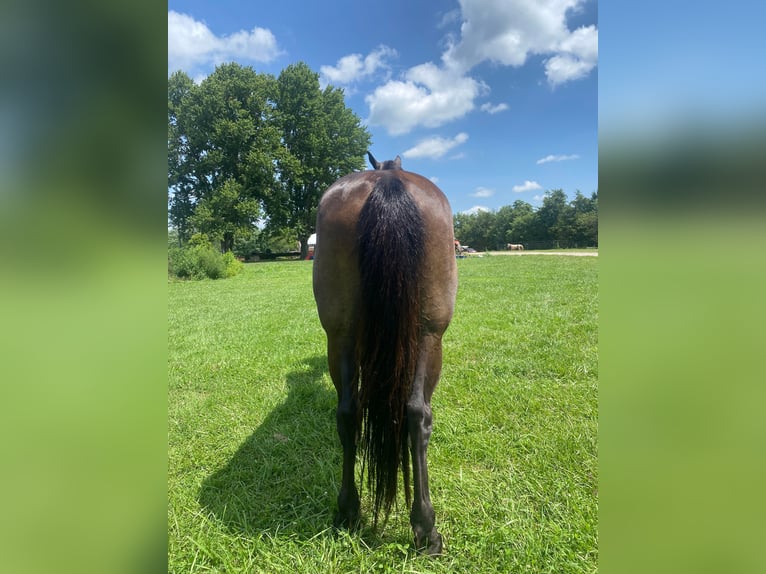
(250, 154)
(556, 224)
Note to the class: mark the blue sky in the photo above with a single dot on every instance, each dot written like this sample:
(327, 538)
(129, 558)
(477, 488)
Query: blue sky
(495, 100)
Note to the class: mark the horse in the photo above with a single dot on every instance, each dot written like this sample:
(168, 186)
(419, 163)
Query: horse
(515, 247)
(385, 281)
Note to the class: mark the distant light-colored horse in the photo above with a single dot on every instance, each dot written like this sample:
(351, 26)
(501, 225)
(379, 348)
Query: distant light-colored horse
(385, 280)
(515, 247)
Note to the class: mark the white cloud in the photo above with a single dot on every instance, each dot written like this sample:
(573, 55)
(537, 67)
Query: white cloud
(564, 67)
(476, 209)
(435, 147)
(449, 18)
(192, 44)
(483, 192)
(505, 32)
(578, 56)
(434, 179)
(550, 158)
(427, 96)
(526, 186)
(355, 67)
(508, 31)
(493, 109)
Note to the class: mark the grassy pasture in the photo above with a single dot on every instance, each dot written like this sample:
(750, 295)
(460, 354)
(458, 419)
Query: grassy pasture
(254, 459)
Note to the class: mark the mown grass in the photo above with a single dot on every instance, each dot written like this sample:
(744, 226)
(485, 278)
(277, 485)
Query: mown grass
(254, 459)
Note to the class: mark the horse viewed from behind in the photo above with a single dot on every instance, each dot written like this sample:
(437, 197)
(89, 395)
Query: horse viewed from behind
(385, 280)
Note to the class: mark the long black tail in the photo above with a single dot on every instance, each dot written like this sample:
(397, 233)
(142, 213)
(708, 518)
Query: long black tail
(391, 238)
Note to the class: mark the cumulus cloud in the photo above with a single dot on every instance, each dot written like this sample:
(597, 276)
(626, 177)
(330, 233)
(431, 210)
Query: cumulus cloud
(449, 18)
(434, 179)
(550, 158)
(355, 67)
(191, 44)
(493, 109)
(476, 209)
(483, 192)
(427, 96)
(526, 186)
(505, 32)
(508, 31)
(578, 55)
(435, 147)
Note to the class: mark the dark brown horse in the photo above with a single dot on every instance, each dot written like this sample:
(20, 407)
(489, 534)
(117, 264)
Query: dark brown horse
(385, 281)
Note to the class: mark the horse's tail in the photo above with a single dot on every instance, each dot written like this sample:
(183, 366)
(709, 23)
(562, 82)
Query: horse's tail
(391, 238)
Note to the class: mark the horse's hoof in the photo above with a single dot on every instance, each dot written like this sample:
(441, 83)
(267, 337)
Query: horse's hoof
(348, 514)
(345, 521)
(431, 546)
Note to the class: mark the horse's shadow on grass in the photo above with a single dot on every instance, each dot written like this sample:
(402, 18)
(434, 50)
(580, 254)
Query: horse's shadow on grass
(283, 478)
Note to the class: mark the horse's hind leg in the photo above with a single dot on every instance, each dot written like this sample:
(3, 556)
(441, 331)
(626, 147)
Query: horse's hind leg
(427, 538)
(343, 370)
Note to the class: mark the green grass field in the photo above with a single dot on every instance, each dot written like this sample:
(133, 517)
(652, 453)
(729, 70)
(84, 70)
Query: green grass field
(254, 459)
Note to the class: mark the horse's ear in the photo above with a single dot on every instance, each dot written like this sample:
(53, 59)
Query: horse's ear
(398, 162)
(373, 161)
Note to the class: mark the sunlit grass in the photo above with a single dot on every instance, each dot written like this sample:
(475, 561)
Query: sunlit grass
(254, 459)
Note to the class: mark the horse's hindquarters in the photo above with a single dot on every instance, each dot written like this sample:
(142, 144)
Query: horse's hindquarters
(385, 281)
(336, 266)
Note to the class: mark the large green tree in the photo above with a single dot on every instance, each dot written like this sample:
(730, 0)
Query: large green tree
(228, 121)
(321, 140)
(246, 147)
(180, 176)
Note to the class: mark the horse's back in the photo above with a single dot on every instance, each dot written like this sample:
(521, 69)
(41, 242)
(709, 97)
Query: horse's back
(336, 257)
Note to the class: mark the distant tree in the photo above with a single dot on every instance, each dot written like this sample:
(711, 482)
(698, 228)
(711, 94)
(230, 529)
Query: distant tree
(506, 228)
(475, 229)
(582, 204)
(502, 226)
(485, 225)
(564, 231)
(586, 219)
(547, 217)
(320, 140)
(173, 240)
(180, 178)
(555, 223)
(221, 144)
(575, 224)
(461, 223)
(524, 228)
(226, 213)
